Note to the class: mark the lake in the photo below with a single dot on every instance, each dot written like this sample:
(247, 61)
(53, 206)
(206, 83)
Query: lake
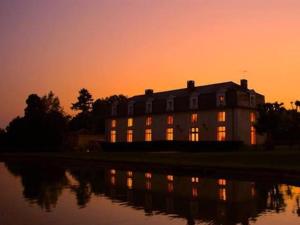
(47, 193)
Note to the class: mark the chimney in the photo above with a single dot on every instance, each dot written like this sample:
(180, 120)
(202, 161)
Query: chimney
(149, 92)
(244, 83)
(190, 84)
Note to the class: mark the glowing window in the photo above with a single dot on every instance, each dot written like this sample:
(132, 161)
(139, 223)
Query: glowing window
(253, 135)
(252, 117)
(130, 122)
(170, 120)
(129, 173)
(170, 187)
(113, 136)
(129, 136)
(221, 133)
(169, 134)
(129, 183)
(148, 175)
(170, 177)
(113, 180)
(222, 182)
(194, 118)
(113, 172)
(222, 194)
(148, 121)
(194, 134)
(113, 123)
(148, 184)
(194, 192)
(221, 116)
(195, 180)
(148, 135)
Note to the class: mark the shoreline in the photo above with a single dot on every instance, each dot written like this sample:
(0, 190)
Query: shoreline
(262, 165)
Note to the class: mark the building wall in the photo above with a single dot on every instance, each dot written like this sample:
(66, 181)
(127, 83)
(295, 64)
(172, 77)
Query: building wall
(237, 125)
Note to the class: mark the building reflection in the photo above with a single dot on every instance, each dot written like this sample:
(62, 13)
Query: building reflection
(195, 198)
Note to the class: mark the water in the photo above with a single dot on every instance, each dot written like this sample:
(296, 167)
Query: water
(49, 193)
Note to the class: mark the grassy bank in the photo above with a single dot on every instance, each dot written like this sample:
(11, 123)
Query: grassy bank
(286, 161)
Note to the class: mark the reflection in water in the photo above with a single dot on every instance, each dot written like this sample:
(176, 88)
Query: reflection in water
(197, 199)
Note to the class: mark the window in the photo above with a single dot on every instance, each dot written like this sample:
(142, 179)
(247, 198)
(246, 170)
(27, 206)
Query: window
(252, 99)
(148, 175)
(194, 134)
(221, 116)
(222, 194)
(148, 121)
(148, 135)
(170, 178)
(130, 122)
(222, 182)
(194, 102)
(253, 135)
(113, 123)
(129, 136)
(194, 118)
(170, 120)
(170, 104)
(149, 107)
(113, 136)
(130, 108)
(252, 117)
(221, 133)
(114, 109)
(221, 101)
(169, 134)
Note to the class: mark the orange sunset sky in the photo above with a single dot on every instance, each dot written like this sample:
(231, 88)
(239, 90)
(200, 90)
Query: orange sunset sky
(125, 46)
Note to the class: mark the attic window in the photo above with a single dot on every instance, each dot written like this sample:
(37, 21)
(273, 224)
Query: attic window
(130, 108)
(170, 104)
(149, 106)
(194, 102)
(221, 101)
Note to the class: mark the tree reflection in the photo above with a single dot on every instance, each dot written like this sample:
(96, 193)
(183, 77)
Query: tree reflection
(42, 184)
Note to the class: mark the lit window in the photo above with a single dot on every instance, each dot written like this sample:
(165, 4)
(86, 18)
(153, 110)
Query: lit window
(113, 136)
(222, 182)
(129, 173)
(113, 180)
(170, 178)
(170, 120)
(170, 187)
(221, 133)
(253, 135)
(148, 121)
(129, 136)
(221, 116)
(194, 192)
(194, 118)
(129, 183)
(148, 135)
(252, 117)
(169, 134)
(148, 175)
(113, 123)
(130, 122)
(221, 99)
(113, 172)
(148, 184)
(195, 179)
(194, 134)
(222, 194)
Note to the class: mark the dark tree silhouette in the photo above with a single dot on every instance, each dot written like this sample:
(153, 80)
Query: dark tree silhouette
(84, 101)
(297, 104)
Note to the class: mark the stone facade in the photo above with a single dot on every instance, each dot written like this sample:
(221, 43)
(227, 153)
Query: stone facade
(218, 112)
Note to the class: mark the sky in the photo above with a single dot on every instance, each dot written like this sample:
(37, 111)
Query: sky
(126, 46)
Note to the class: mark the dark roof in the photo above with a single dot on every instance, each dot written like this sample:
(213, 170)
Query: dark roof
(205, 89)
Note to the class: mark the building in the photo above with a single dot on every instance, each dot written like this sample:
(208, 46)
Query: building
(217, 112)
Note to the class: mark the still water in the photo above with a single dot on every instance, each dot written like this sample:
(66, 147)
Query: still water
(47, 194)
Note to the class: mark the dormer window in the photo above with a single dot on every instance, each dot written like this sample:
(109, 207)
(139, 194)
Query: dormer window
(252, 100)
(114, 109)
(149, 106)
(170, 104)
(194, 102)
(221, 100)
(130, 108)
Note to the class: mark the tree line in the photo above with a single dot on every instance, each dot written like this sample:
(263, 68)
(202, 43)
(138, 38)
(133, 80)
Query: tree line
(45, 126)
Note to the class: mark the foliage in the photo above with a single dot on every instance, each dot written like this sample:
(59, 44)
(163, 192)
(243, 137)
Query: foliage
(84, 101)
(43, 126)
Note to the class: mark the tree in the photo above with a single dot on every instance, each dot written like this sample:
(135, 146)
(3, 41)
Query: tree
(84, 101)
(297, 104)
(51, 103)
